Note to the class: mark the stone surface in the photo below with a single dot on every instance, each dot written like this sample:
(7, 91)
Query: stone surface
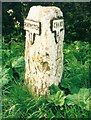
(44, 48)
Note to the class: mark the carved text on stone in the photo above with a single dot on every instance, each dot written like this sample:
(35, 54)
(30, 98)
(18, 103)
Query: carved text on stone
(57, 27)
(32, 28)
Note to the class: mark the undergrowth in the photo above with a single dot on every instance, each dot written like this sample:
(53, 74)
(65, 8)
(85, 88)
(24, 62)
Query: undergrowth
(71, 99)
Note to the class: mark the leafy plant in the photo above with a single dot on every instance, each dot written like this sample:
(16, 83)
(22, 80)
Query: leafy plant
(58, 99)
(81, 99)
(76, 74)
(6, 76)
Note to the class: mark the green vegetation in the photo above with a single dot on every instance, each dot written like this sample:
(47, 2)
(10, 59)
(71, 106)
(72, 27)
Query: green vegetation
(72, 98)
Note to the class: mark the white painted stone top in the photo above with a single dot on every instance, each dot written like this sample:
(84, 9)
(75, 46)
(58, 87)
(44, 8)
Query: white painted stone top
(39, 13)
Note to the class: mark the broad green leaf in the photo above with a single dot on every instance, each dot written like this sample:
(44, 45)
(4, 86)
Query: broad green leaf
(6, 76)
(80, 99)
(58, 98)
(17, 63)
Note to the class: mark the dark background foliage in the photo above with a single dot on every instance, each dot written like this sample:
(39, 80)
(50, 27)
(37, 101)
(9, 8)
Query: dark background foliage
(77, 17)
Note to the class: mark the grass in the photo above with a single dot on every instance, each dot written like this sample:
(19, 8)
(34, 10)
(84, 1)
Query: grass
(74, 88)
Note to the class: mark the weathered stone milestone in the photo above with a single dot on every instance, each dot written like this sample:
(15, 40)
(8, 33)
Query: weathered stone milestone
(44, 48)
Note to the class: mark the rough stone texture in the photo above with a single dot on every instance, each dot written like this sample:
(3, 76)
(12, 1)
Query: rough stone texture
(44, 56)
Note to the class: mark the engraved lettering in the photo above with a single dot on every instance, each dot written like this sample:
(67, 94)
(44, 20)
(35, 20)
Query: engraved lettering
(57, 27)
(33, 28)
